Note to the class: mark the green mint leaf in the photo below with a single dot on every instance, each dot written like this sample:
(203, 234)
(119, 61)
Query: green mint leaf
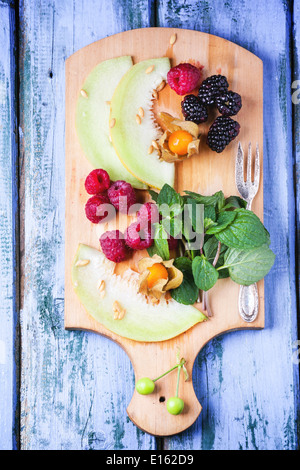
(183, 264)
(169, 196)
(205, 275)
(248, 267)
(153, 194)
(210, 213)
(161, 242)
(152, 250)
(223, 273)
(208, 223)
(170, 211)
(235, 202)
(245, 232)
(187, 292)
(196, 214)
(224, 219)
(176, 227)
(216, 199)
(173, 226)
(210, 250)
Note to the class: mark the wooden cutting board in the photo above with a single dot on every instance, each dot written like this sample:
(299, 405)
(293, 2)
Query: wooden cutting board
(206, 173)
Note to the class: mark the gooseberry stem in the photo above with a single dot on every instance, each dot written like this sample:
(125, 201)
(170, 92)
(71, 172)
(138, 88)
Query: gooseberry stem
(178, 378)
(162, 375)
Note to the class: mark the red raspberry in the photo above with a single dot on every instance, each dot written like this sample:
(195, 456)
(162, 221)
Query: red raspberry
(97, 181)
(138, 238)
(122, 196)
(183, 78)
(172, 242)
(113, 246)
(94, 209)
(148, 214)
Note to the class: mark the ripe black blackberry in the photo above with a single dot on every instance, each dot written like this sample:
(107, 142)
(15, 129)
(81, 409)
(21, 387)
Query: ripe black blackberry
(229, 104)
(211, 88)
(193, 110)
(221, 133)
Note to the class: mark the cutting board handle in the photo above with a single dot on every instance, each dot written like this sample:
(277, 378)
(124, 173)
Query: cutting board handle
(149, 412)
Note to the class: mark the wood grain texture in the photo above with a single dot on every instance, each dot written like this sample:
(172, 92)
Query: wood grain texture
(75, 386)
(206, 173)
(296, 140)
(8, 246)
(263, 414)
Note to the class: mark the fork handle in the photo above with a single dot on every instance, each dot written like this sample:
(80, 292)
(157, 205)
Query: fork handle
(248, 302)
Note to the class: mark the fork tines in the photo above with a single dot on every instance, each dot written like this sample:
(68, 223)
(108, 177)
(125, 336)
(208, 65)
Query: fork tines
(248, 188)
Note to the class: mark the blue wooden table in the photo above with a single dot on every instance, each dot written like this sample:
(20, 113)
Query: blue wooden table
(69, 390)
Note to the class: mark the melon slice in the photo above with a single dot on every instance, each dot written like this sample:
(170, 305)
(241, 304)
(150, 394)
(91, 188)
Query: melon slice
(132, 140)
(92, 118)
(142, 321)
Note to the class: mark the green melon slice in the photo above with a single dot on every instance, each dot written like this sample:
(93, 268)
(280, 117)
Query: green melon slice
(92, 118)
(142, 321)
(132, 140)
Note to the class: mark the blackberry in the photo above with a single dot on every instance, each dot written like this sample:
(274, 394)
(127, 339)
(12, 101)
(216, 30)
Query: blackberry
(221, 133)
(212, 87)
(193, 110)
(229, 104)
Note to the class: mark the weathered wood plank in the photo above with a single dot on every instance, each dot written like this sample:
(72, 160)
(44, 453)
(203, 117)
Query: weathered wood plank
(247, 381)
(296, 135)
(75, 386)
(8, 246)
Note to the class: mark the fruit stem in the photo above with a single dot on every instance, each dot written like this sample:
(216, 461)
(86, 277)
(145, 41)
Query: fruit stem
(207, 304)
(217, 254)
(165, 373)
(178, 378)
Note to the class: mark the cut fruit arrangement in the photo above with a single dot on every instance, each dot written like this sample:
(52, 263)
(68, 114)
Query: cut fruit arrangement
(129, 151)
(115, 303)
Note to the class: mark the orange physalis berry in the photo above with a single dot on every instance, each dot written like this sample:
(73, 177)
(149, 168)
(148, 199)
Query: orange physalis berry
(157, 272)
(179, 141)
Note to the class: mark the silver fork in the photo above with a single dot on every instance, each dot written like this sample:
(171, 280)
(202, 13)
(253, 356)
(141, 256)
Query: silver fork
(248, 295)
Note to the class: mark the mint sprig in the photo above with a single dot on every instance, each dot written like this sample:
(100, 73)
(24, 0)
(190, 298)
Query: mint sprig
(218, 238)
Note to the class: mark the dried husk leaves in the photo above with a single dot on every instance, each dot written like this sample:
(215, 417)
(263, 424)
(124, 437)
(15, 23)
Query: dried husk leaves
(159, 289)
(171, 125)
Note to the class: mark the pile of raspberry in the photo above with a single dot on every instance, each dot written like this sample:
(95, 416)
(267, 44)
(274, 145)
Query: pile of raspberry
(121, 195)
(213, 91)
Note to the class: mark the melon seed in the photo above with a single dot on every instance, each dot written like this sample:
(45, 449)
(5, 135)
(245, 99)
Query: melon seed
(155, 144)
(101, 285)
(119, 312)
(161, 86)
(149, 69)
(84, 93)
(82, 262)
(173, 39)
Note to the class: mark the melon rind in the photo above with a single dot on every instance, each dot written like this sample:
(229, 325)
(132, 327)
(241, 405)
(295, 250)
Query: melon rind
(142, 321)
(92, 118)
(132, 140)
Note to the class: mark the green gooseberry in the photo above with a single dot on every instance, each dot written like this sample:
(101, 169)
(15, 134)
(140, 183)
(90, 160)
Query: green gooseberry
(145, 386)
(175, 405)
